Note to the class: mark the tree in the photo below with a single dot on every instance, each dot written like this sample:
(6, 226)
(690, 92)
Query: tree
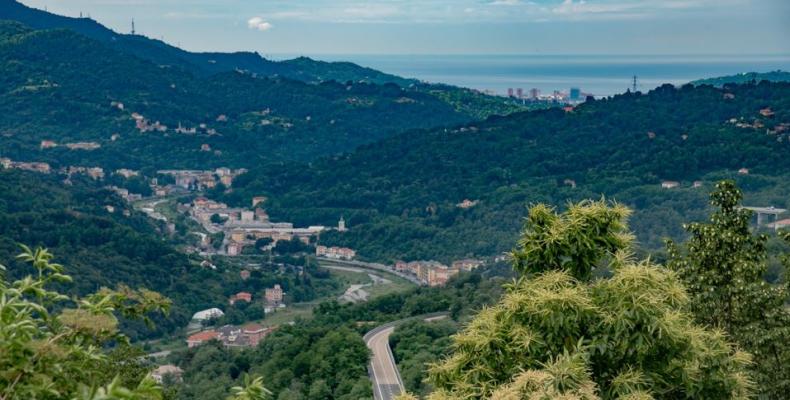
(46, 354)
(723, 265)
(559, 332)
(216, 219)
(253, 389)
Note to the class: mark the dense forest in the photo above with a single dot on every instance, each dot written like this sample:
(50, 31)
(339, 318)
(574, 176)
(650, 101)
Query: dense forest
(105, 243)
(403, 195)
(302, 69)
(747, 77)
(60, 86)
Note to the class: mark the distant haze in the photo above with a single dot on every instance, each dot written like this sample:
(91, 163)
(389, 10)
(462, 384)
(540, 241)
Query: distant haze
(597, 75)
(539, 27)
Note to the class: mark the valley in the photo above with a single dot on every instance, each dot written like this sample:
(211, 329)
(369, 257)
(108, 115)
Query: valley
(189, 224)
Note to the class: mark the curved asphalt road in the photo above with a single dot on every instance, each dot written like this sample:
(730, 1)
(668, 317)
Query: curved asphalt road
(384, 374)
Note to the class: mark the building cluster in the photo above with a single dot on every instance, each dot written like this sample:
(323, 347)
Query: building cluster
(232, 336)
(242, 227)
(41, 167)
(50, 144)
(124, 194)
(93, 172)
(337, 253)
(573, 95)
(201, 180)
(144, 125)
(44, 168)
(434, 273)
(676, 184)
(83, 146)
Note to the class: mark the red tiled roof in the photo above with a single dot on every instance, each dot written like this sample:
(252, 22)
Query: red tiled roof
(252, 327)
(203, 336)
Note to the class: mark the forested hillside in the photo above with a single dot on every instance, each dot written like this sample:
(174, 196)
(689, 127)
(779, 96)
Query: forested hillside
(748, 77)
(403, 195)
(160, 52)
(105, 243)
(303, 69)
(60, 86)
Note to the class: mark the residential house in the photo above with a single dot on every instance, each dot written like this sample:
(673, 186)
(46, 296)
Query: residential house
(126, 173)
(83, 146)
(208, 314)
(160, 372)
(240, 296)
(41, 167)
(274, 295)
(466, 264)
(202, 337)
(258, 200)
(338, 253)
(781, 224)
(466, 204)
(669, 184)
(48, 144)
(255, 333)
(440, 276)
(235, 248)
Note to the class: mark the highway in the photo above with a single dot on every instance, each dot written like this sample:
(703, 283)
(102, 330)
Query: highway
(384, 374)
(372, 266)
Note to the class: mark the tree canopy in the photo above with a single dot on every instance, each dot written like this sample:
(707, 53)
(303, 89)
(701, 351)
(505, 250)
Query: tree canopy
(560, 333)
(723, 265)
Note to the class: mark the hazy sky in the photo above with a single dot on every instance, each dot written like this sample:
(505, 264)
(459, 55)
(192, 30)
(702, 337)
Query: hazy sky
(313, 27)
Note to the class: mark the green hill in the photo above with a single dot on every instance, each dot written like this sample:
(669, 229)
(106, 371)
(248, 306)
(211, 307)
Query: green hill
(61, 86)
(204, 64)
(748, 77)
(162, 53)
(401, 194)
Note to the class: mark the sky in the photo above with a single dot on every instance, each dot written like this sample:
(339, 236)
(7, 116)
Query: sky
(316, 27)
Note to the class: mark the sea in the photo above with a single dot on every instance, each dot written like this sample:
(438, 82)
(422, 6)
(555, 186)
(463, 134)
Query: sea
(599, 75)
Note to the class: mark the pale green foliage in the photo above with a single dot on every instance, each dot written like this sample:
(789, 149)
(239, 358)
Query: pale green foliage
(571, 241)
(253, 389)
(59, 355)
(557, 334)
(722, 265)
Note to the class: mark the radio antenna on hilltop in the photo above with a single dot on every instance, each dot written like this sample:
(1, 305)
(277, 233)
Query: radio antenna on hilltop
(133, 32)
(635, 84)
